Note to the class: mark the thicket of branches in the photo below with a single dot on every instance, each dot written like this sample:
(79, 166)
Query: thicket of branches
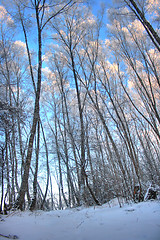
(79, 103)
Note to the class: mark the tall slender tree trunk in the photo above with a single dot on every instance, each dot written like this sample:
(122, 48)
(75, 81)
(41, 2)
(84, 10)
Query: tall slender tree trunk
(47, 163)
(82, 135)
(34, 200)
(2, 179)
(24, 185)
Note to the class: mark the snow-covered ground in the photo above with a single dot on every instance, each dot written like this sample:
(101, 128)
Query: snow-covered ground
(131, 222)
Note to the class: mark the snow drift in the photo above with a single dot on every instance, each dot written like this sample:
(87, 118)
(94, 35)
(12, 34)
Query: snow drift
(131, 222)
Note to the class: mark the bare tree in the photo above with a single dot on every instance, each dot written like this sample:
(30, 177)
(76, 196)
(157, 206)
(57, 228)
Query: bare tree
(39, 8)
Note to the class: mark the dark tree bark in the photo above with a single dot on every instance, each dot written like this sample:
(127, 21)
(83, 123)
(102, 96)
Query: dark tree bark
(149, 28)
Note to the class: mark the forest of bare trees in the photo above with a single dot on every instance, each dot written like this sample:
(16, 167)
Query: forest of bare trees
(79, 102)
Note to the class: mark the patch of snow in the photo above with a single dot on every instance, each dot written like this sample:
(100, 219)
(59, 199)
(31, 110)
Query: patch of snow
(131, 222)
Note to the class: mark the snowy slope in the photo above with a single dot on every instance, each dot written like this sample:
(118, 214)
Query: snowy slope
(131, 222)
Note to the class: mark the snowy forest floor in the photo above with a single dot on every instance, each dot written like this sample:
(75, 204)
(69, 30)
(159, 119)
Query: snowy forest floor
(131, 222)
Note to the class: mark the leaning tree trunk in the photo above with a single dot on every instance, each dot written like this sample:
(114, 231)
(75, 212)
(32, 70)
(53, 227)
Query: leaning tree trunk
(148, 27)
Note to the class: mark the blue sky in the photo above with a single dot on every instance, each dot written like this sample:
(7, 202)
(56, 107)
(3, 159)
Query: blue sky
(96, 5)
